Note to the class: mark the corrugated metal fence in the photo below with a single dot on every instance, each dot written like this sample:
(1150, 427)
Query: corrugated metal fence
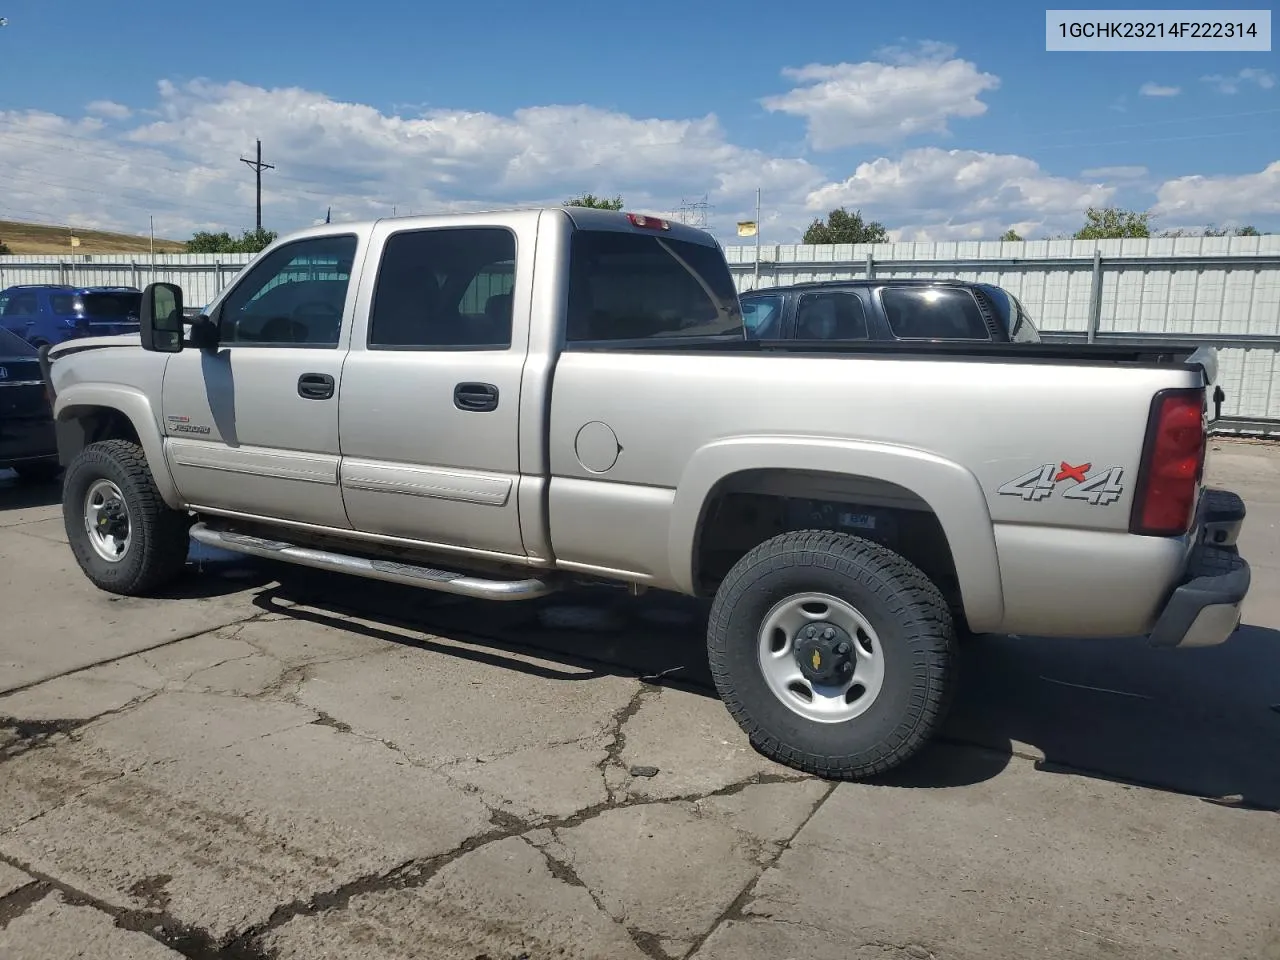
(1222, 291)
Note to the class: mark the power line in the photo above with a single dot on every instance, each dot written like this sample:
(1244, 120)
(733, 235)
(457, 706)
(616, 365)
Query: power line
(258, 166)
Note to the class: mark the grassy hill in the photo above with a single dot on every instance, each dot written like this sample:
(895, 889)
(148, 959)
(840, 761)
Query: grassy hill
(37, 238)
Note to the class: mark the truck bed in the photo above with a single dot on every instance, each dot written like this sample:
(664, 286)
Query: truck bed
(1094, 354)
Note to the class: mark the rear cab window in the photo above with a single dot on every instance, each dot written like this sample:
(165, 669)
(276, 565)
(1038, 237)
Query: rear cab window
(631, 286)
(933, 313)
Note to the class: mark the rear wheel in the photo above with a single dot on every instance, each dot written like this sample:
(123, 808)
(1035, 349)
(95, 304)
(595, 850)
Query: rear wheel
(833, 653)
(124, 536)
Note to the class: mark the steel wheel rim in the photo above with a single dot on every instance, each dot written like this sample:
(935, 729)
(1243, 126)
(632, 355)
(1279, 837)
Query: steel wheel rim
(834, 702)
(107, 521)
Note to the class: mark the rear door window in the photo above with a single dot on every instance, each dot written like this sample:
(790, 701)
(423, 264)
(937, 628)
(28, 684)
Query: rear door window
(22, 304)
(830, 316)
(933, 313)
(445, 288)
(625, 286)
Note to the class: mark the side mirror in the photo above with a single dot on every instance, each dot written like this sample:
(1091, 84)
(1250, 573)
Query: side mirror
(204, 334)
(160, 319)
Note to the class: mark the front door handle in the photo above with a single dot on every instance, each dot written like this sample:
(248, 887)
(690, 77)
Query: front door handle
(475, 397)
(315, 386)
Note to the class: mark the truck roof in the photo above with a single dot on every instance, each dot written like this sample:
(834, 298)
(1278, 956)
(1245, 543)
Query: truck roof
(583, 218)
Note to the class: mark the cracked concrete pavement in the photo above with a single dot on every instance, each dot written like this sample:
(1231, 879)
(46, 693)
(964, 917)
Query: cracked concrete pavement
(274, 763)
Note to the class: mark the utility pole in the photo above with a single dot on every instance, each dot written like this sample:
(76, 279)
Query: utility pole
(258, 166)
(757, 270)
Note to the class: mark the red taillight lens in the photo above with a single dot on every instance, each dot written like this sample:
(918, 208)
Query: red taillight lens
(648, 223)
(1173, 459)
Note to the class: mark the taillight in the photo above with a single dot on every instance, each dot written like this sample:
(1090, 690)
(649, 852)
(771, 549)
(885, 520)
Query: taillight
(1172, 464)
(648, 223)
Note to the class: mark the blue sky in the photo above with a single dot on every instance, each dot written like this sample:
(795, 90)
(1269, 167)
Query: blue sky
(942, 121)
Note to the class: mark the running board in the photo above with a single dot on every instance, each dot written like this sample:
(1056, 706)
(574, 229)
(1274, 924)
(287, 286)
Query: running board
(427, 578)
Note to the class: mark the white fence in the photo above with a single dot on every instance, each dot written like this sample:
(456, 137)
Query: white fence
(1222, 291)
(201, 275)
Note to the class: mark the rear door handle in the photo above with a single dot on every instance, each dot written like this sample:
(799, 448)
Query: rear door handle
(475, 397)
(315, 386)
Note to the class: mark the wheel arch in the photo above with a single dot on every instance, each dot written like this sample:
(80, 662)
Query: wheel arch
(916, 479)
(85, 414)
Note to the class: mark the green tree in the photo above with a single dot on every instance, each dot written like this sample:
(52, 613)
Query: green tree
(1212, 231)
(1113, 223)
(1010, 235)
(596, 203)
(4, 249)
(841, 226)
(251, 241)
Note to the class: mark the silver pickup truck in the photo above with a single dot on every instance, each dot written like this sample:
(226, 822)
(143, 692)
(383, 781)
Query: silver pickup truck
(498, 404)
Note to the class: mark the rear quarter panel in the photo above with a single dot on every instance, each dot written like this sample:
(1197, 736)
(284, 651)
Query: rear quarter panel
(953, 432)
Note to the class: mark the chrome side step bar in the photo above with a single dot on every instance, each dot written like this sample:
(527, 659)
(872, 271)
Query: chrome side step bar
(427, 578)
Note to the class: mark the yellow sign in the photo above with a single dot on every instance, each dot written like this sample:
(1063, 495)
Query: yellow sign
(747, 228)
(75, 241)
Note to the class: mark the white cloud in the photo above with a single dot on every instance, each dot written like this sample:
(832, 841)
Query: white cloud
(1150, 89)
(1115, 173)
(1198, 200)
(1232, 83)
(108, 109)
(184, 163)
(178, 159)
(956, 194)
(908, 92)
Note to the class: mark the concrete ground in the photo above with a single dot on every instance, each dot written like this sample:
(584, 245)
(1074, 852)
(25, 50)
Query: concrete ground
(275, 763)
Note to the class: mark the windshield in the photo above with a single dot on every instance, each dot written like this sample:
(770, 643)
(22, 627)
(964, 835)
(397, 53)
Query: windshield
(12, 345)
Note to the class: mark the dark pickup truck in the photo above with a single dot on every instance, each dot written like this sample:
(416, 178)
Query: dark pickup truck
(914, 309)
(28, 443)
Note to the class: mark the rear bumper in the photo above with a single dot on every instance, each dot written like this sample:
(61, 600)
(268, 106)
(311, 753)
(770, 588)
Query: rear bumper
(1204, 610)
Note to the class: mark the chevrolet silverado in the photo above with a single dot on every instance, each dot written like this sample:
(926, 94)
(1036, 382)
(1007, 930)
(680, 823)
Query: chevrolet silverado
(496, 404)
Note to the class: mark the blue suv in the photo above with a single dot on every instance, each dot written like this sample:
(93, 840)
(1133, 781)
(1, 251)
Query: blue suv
(52, 313)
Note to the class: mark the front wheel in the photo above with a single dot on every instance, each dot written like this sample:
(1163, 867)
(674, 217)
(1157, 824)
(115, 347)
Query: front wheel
(124, 536)
(834, 654)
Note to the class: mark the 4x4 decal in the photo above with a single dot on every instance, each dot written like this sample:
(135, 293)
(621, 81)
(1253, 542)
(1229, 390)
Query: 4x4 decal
(1098, 489)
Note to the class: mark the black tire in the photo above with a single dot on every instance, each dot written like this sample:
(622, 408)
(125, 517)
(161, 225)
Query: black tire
(37, 471)
(159, 535)
(916, 636)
